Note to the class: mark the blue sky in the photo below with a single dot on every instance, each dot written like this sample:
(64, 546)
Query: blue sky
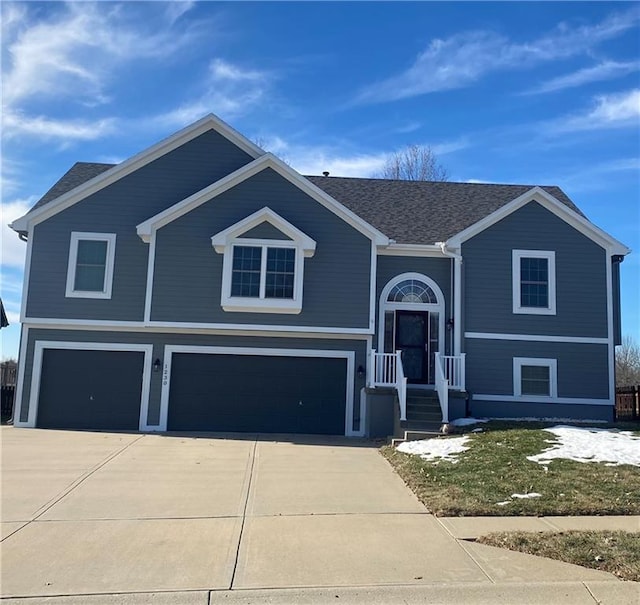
(534, 93)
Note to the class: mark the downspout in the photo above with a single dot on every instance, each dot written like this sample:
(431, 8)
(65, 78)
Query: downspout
(457, 296)
(23, 235)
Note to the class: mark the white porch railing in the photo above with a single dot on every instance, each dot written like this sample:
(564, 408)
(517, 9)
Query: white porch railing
(387, 371)
(442, 388)
(453, 367)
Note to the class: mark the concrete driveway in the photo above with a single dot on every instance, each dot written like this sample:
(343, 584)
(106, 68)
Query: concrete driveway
(103, 513)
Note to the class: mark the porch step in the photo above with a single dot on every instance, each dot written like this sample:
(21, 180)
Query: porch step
(417, 435)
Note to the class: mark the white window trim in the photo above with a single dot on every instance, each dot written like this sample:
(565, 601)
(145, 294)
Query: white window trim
(550, 309)
(77, 236)
(262, 304)
(552, 364)
(224, 243)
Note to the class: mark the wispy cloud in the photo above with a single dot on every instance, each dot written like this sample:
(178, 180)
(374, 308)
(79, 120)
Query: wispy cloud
(70, 54)
(462, 59)
(18, 124)
(13, 250)
(607, 70)
(314, 160)
(618, 110)
(229, 90)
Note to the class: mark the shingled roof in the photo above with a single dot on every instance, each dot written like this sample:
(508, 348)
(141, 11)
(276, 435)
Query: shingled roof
(410, 212)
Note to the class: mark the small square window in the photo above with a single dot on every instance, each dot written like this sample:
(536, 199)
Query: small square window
(535, 377)
(90, 268)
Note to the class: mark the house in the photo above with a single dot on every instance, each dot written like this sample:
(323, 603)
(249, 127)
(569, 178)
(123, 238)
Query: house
(205, 285)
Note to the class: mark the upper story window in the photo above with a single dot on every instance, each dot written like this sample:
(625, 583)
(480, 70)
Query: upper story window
(534, 282)
(262, 275)
(263, 272)
(535, 377)
(90, 268)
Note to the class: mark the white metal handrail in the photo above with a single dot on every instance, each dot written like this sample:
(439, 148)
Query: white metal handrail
(453, 367)
(442, 388)
(387, 371)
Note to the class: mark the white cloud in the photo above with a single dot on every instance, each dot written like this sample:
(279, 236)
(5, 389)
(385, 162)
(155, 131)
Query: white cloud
(610, 111)
(17, 124)
(13, 250)
(314, 160)
(607, 70)
(462, 59)
(228, 90)
(175, 10)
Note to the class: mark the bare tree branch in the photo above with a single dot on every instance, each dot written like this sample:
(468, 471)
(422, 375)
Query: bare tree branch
(414, 163)
(627, 363)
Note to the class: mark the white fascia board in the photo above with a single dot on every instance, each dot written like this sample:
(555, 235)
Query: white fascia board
(220, 240)
(209, 122)
(411, 250)
(548, 201)
(268, 160)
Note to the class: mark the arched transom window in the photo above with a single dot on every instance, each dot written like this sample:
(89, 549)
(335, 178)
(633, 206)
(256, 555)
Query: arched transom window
(412, 291)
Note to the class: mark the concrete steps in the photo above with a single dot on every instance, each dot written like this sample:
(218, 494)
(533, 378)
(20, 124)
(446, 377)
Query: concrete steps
(424, 417)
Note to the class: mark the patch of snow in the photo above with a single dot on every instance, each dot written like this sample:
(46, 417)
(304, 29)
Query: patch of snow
(467, 421)
(478, 430)
(529, 495)
(504, 503)
(432, 449)
(589, 444)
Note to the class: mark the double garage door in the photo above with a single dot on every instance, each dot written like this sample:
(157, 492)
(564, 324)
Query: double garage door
(102, 390)
(269, 394)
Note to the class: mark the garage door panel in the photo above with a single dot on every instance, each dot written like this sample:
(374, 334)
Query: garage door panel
(82, 389)
(214, 392)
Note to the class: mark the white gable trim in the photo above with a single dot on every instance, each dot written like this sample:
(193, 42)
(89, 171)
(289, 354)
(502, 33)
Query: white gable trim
(209, 122)
(221, 240)
(268, 160)
(548, 201)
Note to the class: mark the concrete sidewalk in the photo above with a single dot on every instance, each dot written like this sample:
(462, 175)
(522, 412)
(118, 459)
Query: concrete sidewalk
(128, 518)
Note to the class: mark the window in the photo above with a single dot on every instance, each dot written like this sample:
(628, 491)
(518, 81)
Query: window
(262, 275)
(534, 282)
(535, 378)
(412, 290)
(263, 272)
(90, 268)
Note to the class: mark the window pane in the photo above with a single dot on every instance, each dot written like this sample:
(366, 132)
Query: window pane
(245, 276)
(535, 380)
(91, 261)
(534, 282)
(89, 278)
(280, 273)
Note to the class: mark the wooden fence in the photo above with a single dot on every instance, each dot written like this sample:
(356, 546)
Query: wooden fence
(628, 404)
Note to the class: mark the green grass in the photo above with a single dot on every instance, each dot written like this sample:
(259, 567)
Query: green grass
(496, 466)
(617, 552)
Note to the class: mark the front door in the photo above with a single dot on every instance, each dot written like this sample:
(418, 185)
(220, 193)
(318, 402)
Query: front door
(412, 338)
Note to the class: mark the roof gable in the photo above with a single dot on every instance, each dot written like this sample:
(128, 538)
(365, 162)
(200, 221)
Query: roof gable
(70, 189)
(548, 201)
(268, 160)
(265, 215)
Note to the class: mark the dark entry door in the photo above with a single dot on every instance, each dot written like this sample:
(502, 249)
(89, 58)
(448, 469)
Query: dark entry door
(412, 329)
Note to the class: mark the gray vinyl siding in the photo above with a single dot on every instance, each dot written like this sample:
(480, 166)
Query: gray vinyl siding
(581, 283)
(265, 231)
(159, 340)
(558, 411)
(336, 278)
(118, 208)
(583, 369)
(438, 269)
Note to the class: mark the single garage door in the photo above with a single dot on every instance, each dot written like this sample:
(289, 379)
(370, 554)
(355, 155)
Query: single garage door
(90, 389)
(264, 394)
